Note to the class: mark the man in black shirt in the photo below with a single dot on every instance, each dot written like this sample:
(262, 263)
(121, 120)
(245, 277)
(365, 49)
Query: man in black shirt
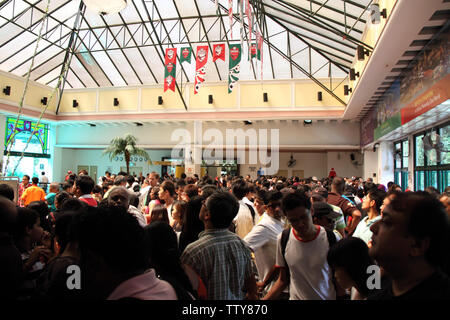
(411, 242)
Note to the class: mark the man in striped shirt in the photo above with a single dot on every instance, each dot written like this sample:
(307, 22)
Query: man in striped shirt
(220, 257)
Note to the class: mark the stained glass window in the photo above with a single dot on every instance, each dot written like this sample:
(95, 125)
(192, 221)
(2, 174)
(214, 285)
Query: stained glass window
(26, 132)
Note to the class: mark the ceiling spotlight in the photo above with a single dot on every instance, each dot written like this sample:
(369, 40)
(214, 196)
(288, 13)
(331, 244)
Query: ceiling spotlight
(307, 122)
(44, 101)
(353, 75)
(7, 90)
(362, 53)
(74, 103)
(138, 124)
(116, 102)
(247, 122)
(319, 95)
(347, 90)
(92, 124)
(265, 97)
(210, 99)
(160, 100)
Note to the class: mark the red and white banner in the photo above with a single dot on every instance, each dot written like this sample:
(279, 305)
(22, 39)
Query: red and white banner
(200, 67)
(219, 52)
(230, 15)
(170, 64)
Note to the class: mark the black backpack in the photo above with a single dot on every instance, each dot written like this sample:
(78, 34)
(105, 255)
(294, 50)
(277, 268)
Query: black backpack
(285, 237)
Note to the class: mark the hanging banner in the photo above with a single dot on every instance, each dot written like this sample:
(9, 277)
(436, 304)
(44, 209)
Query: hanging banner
(230, 16)
(170, 64)
(253, 50)
(219, 52)
(259, 42)
(200, 67)
(186, 55)
(234, 65)
(248, 13)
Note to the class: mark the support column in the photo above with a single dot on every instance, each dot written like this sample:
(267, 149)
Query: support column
(385, 162)
(193, 158)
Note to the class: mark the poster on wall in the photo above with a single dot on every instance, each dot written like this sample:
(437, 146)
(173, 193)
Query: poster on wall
(422, 88)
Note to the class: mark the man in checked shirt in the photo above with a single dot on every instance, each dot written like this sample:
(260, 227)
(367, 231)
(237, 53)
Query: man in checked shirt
(220, 257)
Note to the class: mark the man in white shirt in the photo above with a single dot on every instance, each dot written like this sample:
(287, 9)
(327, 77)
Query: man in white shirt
(262, 239)
(244, 220)
(303, 266)
(372, 204)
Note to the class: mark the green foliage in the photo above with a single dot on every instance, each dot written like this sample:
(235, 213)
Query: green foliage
(125, 146)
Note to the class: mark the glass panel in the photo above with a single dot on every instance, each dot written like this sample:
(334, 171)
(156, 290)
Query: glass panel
(445, 140)
(432, 181)
(404, 184)
(397, 155)
(396, 178)
(405, 153)
(419, 152)
(420, 179)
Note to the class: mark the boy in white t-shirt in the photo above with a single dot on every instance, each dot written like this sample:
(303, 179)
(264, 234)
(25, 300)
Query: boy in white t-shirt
(309, 276)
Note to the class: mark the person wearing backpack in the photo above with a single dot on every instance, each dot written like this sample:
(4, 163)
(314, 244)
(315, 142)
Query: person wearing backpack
(303, 264)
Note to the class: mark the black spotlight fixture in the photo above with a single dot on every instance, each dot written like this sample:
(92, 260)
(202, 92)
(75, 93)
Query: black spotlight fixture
(347, 90)
(44, 101)
(210, 99)
(92, 124)
(375, 147)
(116, 102)
(247, 122)
(352, 157)
(7, 90)
(265, 97)
(319, 95)
(362, 53)
(160, 100)
(138, 124)
(74, 103)
(307, 122)
(353, 74)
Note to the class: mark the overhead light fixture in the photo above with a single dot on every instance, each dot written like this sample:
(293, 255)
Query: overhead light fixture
(265, 97)
(375, 146)
(376, 14)
(210, 99)
(116, 102)
(160, 100)
(362, 53)
(44, 101)
(353, 74)
(7, 90)
(74, 103)
(247, 122)
(307, 122)
(138, 124)
(319, 95)
(92, 124)
(347, 90)
(103, 7)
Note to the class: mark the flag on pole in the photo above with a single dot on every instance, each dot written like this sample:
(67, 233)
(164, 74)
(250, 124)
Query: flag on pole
(234, 65)
(170, 64)
(200, 67)
(219, 52)
(253, 50)
(186, 55)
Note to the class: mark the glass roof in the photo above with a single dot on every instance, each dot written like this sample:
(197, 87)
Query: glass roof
(315, 39)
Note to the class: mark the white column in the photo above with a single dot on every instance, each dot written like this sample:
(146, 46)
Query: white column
(371, 164)
(411, 178)
(385, 162)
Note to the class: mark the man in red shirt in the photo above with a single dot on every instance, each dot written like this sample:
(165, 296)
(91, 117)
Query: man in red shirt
(351, 214)
(82, 189)
(332, 173)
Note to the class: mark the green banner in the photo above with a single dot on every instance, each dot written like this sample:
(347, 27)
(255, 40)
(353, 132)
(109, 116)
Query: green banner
(186, 55)
(389, 125)
(234, 65)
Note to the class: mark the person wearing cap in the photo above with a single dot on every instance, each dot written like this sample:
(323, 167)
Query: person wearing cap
(372, 204)
(320, 194)
(324, 216)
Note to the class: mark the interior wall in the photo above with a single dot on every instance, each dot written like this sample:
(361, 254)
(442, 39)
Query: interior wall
(371, 165)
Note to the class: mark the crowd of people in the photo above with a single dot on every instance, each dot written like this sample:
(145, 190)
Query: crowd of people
(224, 238)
